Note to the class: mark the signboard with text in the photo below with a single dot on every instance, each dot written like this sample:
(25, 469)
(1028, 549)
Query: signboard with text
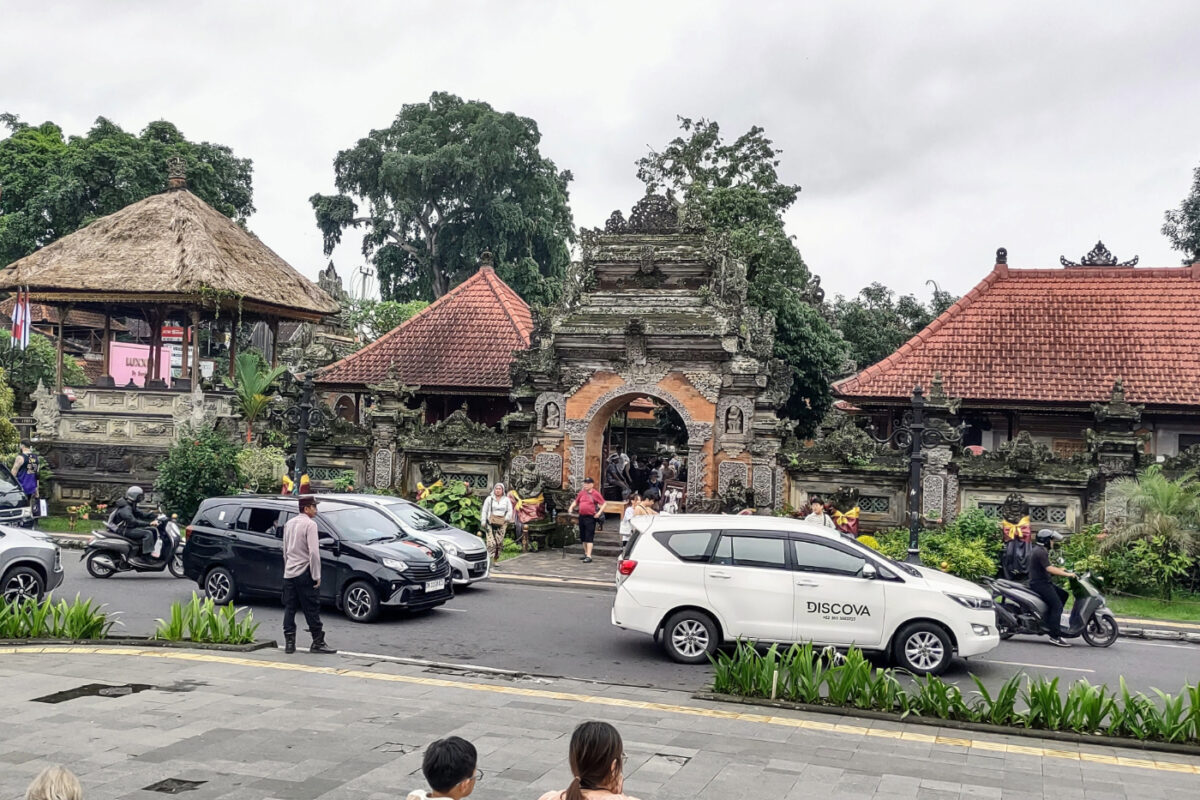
(130, 362)
(172, 333)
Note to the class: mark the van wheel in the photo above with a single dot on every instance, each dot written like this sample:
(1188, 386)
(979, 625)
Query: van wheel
(922, 648)
(21, 584)
(220, 586)
(360, 601)
(690, 637)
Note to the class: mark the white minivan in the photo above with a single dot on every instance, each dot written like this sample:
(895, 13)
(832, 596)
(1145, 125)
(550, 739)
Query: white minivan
(698, 580)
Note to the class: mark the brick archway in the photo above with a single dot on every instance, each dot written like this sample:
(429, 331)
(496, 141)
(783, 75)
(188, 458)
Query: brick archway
(586, 434)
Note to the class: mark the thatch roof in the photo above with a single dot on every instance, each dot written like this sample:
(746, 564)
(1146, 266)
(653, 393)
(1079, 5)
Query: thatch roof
(169, 248)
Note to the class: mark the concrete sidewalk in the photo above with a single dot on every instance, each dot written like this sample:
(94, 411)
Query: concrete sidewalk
(353, 728)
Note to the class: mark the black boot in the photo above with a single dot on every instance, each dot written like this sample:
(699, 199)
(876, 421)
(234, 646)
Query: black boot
(289, 643)
(318, 645)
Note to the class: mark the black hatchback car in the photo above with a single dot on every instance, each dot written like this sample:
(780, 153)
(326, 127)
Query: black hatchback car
(235, 548)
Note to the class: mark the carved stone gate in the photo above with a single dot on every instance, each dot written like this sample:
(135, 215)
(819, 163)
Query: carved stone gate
(656, 309)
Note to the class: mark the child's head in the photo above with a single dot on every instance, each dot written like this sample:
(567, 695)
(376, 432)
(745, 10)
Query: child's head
(449, 762)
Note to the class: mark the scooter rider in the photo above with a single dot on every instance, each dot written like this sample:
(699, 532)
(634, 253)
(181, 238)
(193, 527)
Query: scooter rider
(1054, 596)
(127, 520)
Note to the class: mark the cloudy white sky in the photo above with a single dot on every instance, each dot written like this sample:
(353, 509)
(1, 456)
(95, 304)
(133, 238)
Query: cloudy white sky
(925, 135)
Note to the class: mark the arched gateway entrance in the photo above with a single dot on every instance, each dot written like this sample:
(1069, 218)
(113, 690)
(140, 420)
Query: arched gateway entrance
(656, 311)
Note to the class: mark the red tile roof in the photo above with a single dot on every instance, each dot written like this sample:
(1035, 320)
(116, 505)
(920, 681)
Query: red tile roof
(1055, 336)
(464, 339)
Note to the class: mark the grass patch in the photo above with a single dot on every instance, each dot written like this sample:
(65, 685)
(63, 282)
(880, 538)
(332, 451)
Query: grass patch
(1184, 608)
(63, 525)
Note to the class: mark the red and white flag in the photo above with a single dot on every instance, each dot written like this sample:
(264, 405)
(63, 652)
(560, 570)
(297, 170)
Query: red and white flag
(26, 321)
(20, 320)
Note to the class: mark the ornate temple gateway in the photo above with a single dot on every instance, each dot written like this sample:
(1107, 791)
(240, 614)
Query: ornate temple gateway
(655, 309)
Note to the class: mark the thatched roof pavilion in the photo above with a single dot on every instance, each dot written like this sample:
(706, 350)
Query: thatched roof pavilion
(167, 254)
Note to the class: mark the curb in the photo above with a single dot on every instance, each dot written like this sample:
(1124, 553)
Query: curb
(133, 641)
(1162, 634)
(980, 727)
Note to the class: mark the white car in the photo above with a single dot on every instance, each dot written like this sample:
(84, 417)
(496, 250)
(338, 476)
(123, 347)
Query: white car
(467, 553)
(698, 580)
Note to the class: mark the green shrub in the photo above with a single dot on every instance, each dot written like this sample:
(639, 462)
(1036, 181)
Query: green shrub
(455, 503)
(201, 464)
(31, 619)
(203, 621)
(261, 468)
(804, 674)
(344, 481)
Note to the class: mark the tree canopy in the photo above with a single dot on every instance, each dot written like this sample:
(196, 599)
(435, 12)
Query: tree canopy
(447, 180)
(38, 362)
(1182, 224)
(51, 185)
(374, 318)
(875, 323)
(735, 189)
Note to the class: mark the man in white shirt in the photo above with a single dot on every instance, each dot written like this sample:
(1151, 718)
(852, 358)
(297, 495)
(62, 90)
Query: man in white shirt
(302, 577)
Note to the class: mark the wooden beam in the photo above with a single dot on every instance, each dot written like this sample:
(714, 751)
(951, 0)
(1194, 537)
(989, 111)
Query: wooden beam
(106, 345)
(183, 351)
(195, 349)
(233, 345)
(274, 342)
(58, 371)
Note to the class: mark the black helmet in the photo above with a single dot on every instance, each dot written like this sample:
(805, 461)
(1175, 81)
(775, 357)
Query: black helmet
(1045, 536)
(134, 494)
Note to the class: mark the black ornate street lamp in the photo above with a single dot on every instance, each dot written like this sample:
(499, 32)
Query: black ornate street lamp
(301, 417)
(911, 432)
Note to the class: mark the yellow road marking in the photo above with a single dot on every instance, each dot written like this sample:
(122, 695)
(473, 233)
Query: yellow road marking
(617, 702)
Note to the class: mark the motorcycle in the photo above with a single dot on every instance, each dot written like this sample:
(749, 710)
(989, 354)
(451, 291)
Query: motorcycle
(1019, 610)
(109, 553)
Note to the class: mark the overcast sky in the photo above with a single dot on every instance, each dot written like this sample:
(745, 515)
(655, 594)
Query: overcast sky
(925, 135)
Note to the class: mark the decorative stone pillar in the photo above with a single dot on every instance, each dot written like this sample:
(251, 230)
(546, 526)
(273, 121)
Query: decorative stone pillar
(1115, 448)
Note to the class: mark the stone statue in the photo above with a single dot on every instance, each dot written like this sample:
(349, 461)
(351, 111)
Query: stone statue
(527, 499)
(733, 420)
(735, 498)
(431, 478)
(552, 416)
(615, 478)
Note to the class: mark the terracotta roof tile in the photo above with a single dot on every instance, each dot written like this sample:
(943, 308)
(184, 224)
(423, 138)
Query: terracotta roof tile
(46, 314)
(1055, 336)
(464, 339)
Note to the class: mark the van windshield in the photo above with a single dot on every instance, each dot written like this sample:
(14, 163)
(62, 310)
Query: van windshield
(362, 525)
(10, 492)
(417, 517)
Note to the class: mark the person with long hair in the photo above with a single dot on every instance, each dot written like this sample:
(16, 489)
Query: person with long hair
(597, 759)
(627, 513)
(55, 783)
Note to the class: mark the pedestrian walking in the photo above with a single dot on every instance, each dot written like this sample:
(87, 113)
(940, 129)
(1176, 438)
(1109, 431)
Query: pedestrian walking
(55, 783)
(597, 759)
(817, 514)
(449, 767)
(495, 515)
(627, 515)
(25, 470)
(590, 505)
(302, 577)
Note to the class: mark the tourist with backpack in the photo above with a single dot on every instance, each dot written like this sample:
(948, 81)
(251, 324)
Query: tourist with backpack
(25, 470)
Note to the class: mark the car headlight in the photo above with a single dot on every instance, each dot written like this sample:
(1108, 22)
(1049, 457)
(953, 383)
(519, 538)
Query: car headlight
(449, 547)
(395, 563)
(970, 601)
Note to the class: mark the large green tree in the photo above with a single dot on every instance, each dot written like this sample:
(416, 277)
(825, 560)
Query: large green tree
(875, 322)
(51, 185)
(447, 180)
(735, 189)
(1182, 224)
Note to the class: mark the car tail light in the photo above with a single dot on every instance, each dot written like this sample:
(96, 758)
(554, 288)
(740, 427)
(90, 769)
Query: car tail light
(626, 566)
(187, 533)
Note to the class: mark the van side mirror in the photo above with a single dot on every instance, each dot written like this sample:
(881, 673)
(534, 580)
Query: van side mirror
(869, 572)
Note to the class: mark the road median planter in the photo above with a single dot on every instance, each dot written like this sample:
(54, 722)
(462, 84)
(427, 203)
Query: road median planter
(958, 725)
(140, 641)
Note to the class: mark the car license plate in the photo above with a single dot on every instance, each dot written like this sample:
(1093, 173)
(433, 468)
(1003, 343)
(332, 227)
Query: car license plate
(435, 586)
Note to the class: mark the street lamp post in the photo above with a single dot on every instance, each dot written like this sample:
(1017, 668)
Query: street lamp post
(913, 433)
(302, 417)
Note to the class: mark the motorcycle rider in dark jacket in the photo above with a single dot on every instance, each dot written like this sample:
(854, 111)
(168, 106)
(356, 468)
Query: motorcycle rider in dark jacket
(128, 520)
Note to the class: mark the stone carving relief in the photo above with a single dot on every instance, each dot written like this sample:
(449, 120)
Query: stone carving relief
(933, 492)
(549, 467)
(119, 429)
(152, 429)
(730, 471)
(708, 384)
(519, 464)
(647, 372)
(735, 415)
(548, 409)
(764, 484)
(780, 472)
(86, 426)
(635, 342)
(697, 473)
(382, 474)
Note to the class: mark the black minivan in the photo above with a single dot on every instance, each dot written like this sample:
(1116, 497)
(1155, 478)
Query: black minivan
(235, 548)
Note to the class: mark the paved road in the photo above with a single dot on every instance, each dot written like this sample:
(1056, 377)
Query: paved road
(565, 631)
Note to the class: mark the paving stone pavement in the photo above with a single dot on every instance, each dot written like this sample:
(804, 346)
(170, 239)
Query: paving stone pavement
(551, 564)
(263, 725)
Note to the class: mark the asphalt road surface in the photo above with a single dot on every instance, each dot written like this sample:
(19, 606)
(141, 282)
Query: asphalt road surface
(560, 630)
